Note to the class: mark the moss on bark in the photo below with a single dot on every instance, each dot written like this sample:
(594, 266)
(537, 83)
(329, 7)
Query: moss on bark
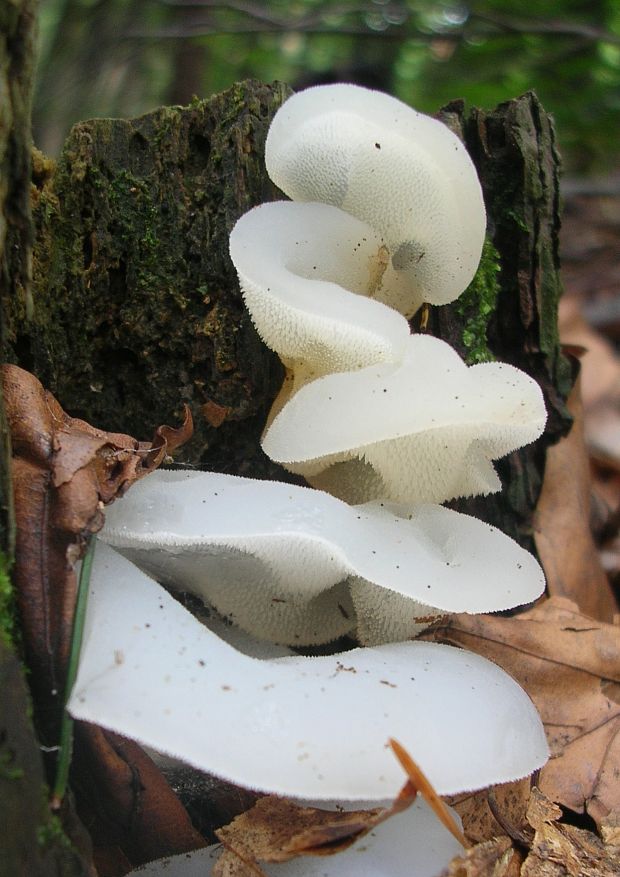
(137, 307)
(17, 40)
(476, 306)
(32, 839)
(514, 150)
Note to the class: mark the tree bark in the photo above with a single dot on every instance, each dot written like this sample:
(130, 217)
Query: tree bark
(32, 840)
(510, 311)
(137, 304)
(17, 34)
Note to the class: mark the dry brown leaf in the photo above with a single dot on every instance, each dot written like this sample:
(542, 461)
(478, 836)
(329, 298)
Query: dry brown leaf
(554, 849)
(600, 364)
(541, 810)
(600, 367)
(63, 471)
(126, 802)
(492, 858)
(559, 850)
(276, 830)
(564, 660)
(600, 384)
(561, 524)
(508, 800)
(230, 864)
(215, 414)
(610, 832)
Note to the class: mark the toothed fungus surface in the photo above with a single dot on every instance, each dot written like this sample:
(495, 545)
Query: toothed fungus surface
(368, 411)
(297, 566)
(298, 266)
(318, 726)
(405, 174)
(424, 429)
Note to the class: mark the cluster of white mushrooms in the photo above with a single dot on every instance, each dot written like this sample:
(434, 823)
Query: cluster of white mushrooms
(387, 213)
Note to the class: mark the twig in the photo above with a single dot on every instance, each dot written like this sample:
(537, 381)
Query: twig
(532, 27)
(66, 728)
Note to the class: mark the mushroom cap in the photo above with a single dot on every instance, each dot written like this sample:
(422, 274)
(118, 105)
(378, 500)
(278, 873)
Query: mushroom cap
(424, 430)
(409, 844)
(405, 174)
(295, 565)
(313, 728)
(298, 265)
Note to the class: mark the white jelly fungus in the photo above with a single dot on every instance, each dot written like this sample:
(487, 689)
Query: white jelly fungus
(297, 566)
(423, 430)
(298, 266)
(317, 727)
(392, 217)
(405, 174)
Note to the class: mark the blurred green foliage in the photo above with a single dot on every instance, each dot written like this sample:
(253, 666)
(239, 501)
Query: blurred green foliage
(123, 57)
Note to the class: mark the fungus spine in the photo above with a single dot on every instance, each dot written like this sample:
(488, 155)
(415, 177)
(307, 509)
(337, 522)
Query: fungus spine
(368, 411)
(298, 266)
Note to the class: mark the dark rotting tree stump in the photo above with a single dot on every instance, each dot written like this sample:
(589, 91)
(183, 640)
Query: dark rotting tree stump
(137, 307)
(510, 311)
